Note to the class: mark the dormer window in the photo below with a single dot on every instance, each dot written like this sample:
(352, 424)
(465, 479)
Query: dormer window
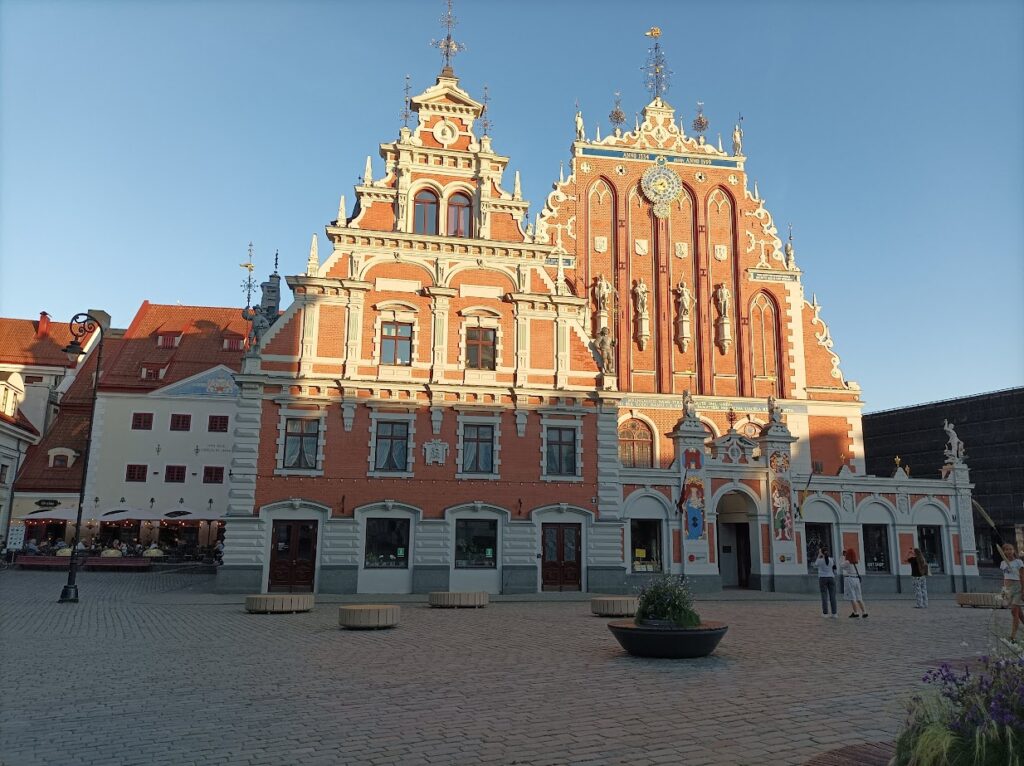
(233, 344)
(460, 211)
(168, 340)
(60, 461)
(61, 457)
(425, 212)
(152, 372)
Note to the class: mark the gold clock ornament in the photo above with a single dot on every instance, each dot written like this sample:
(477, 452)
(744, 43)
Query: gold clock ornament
(660, 185)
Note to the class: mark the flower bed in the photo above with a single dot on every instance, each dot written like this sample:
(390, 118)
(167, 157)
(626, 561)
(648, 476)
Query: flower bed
(971, 719)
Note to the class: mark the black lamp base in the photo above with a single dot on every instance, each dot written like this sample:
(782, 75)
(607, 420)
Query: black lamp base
(69, 594)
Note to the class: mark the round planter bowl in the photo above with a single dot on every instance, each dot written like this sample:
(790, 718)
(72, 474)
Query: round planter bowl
(668, 642)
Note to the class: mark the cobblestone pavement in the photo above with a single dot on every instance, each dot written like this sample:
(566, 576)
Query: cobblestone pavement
(153, 669)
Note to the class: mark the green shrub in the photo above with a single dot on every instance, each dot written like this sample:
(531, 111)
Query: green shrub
(668, 598)
(971, 720)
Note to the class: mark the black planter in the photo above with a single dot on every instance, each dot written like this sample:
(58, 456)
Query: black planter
(668, 642)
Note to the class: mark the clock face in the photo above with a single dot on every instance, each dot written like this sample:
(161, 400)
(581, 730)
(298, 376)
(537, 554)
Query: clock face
(661, 185)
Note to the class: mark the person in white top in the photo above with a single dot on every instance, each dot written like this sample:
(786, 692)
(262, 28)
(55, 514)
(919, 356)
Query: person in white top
(826, 582)
(851, 583)
(1013, 585)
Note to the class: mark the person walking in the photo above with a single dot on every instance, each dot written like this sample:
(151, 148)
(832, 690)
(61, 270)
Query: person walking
(1013, 585)
(826, 582)
(919, 572)
(852, 591)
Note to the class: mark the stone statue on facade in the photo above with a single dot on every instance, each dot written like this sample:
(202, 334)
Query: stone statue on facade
(689, 408)
(737, 140)
(640, 292)
(954, 450)
(684, 299)
(606, 350)
(259, 324)
(581, 131)
(774, 411)
(723, 298)
(603, 293)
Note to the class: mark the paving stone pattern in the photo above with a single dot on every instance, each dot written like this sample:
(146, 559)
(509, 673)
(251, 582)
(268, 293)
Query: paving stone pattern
(153, 669)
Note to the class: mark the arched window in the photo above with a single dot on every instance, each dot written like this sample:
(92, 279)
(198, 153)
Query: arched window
(425, 212)
(636, 445)
(459, 216)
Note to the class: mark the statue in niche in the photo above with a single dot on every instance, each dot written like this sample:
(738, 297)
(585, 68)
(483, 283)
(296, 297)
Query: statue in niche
(640, 292)
(954, 451)
(737, 140)
(689, 408)
(603, 293)
(723, 297)
(684, 299)
(606, 350)
(581, 131)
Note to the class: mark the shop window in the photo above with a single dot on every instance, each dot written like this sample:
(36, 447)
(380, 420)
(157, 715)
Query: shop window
(392, 450)
(477, 449)
(387, 544)
(636, 445)
(476, 543)
(425, 212)
(134, 472)
(929, 539)
(480, 348)
(396, 343)
(876, 549)
(561, 451)
(142, 421)
(213, 474)
(217, 424)
(301, 443)
(181, 422)
(459, 216)
(174, 474)
(645, 536)
(818, 535)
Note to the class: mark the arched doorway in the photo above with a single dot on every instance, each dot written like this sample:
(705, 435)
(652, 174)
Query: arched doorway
(737, 538)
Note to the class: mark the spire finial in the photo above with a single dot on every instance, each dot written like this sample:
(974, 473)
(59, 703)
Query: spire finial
(791, 233)
(342, 214)
(617, 117)
(248, 284)
(485, 121)
(447, 45)
(313, 263)
(368, 171)
(277, 254)
(517, 189)
(731, 417)
(406, 112)
(700, 122)
(657, 72)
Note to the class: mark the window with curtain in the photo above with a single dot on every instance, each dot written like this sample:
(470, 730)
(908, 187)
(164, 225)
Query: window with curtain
(301, 442)
(460, 211)
(561, 457)
(477, 448)
(424, 208)
(392, 453)
(636, 445)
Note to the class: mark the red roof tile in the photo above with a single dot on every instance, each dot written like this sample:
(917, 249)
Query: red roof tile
(19, 344)
(203, 330)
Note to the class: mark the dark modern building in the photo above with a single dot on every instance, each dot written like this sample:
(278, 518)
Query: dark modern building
(992, 428)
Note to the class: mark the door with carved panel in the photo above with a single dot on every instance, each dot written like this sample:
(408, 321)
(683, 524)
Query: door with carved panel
(561, 569)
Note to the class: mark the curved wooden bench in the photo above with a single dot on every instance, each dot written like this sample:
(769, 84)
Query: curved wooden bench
(368, 616)
(277, 603)
(983, 600)
(458, 600)
(613, 606)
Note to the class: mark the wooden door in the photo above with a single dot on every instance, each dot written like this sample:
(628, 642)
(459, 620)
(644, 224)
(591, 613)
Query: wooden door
(560, 557)
(743, 554)
(293, 557)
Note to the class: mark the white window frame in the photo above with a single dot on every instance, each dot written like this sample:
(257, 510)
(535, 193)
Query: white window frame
(406, 417)
(561, 421)
(483, 419)
(70, 454)
(480, 316)
(405, 314)
(285, 414)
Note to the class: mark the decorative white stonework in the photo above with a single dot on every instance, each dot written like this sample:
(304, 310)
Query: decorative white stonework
(682, 249)
(824, 337)
(435, 452)
(445, 132)
(600, 244)
(521, 417)
(348, 414)
(640, 247)
(721, 252)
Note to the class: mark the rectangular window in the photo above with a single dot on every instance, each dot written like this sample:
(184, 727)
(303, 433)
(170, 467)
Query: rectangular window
(181, 422)
(480, 348)
(142, 421)
(167, 341)
(301, 443)
(135, 472)
(233, 344)
(930, 541)
(3, 473)
(477, 449)
(151, 373)
(217, 424)
(387, 544)
(392, 446)
(60, 461)
(818, 535)
(561, 457)
(174, 474)
(876, 549)
(213, 474)
(645, 536)
(395, 343)
(476, 544)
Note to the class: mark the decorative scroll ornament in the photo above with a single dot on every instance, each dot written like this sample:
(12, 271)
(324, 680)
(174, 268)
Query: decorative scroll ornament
(824, 337)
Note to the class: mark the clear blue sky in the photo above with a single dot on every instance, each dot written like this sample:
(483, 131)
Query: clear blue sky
(144, 144)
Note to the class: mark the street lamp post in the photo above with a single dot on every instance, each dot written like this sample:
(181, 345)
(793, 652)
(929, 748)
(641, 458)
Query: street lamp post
(80, 326)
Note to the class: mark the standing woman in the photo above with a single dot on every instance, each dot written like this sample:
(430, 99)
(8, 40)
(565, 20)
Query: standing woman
(826, 582)
(851, 583)
(1013, 584)
(919, 571)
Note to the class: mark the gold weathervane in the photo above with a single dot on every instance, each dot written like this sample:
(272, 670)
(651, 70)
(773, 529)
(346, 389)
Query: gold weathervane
(653, 32)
